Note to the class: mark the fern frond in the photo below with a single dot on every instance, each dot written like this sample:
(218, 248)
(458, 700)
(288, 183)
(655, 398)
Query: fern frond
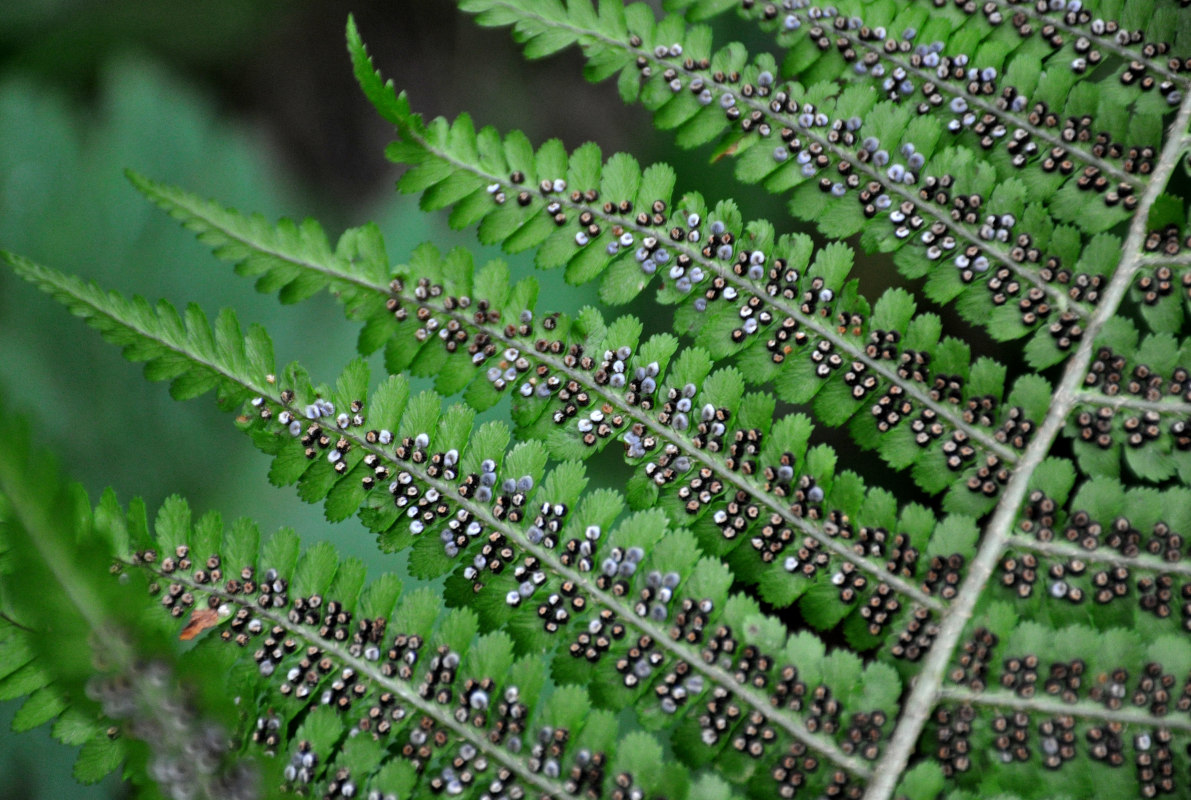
(1083, 711)
(1133, 410)
(859, 48)
(1026, 634)
(443, 708)
(437, 282)
(672, 59)
(186, 350)
(998, 530)
(1056, 691)
(1092, 549)
(650, 416)
(443, 481)
(763, 286)
(827, 123)
(23, 675)
(1152, 22)
(340, 659)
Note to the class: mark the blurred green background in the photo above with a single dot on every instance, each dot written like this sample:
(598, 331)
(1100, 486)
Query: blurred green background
(251, 102)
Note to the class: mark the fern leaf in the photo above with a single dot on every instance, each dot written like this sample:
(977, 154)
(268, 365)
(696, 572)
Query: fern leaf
(677, 63)
(727, 319)
(430, 497)
(364, 688)
(1001, 51)
(160, 337)
(184, 565)
(998, 529)
(720, 322)
(1024, 635)
(1141, 430)
(471, 694)
(820, 605)
(443, 287)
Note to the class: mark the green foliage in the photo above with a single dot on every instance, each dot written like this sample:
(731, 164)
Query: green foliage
(90, 652)
(751, 615)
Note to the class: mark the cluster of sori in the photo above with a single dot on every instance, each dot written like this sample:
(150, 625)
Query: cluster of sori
(300, 770)
(578, 380)
(644, 658)
(953, 732)
(790, 773)
(654, 598)
(679, 684)
(419, 481)
(725, 716)
(322, 431)
(555, 611)
(554, 192)
(1088, 572)
(555, 206)
(695, 246)
(322, 653)
(1169, 241)
(317, 410)
(1153, 285)
(1020, 572)
(755, 282)
(944, 390)
(1014, 735)
(649, 595)
(967, 235)
(1059, 19)
(1111, 375)
(902, 67)
(538, 368)
(971, 667)
(1049, 278)
(900, 559)
(1097, 427)
(188, 755)
(177, 596)
(403, 689)
(1157, 283)
(652, 255)
(944, 574)
(597, 639)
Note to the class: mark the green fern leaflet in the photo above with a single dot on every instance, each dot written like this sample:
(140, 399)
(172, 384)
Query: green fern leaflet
(744, 616)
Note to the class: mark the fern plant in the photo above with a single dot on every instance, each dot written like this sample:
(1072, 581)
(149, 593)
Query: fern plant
(747, 617)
